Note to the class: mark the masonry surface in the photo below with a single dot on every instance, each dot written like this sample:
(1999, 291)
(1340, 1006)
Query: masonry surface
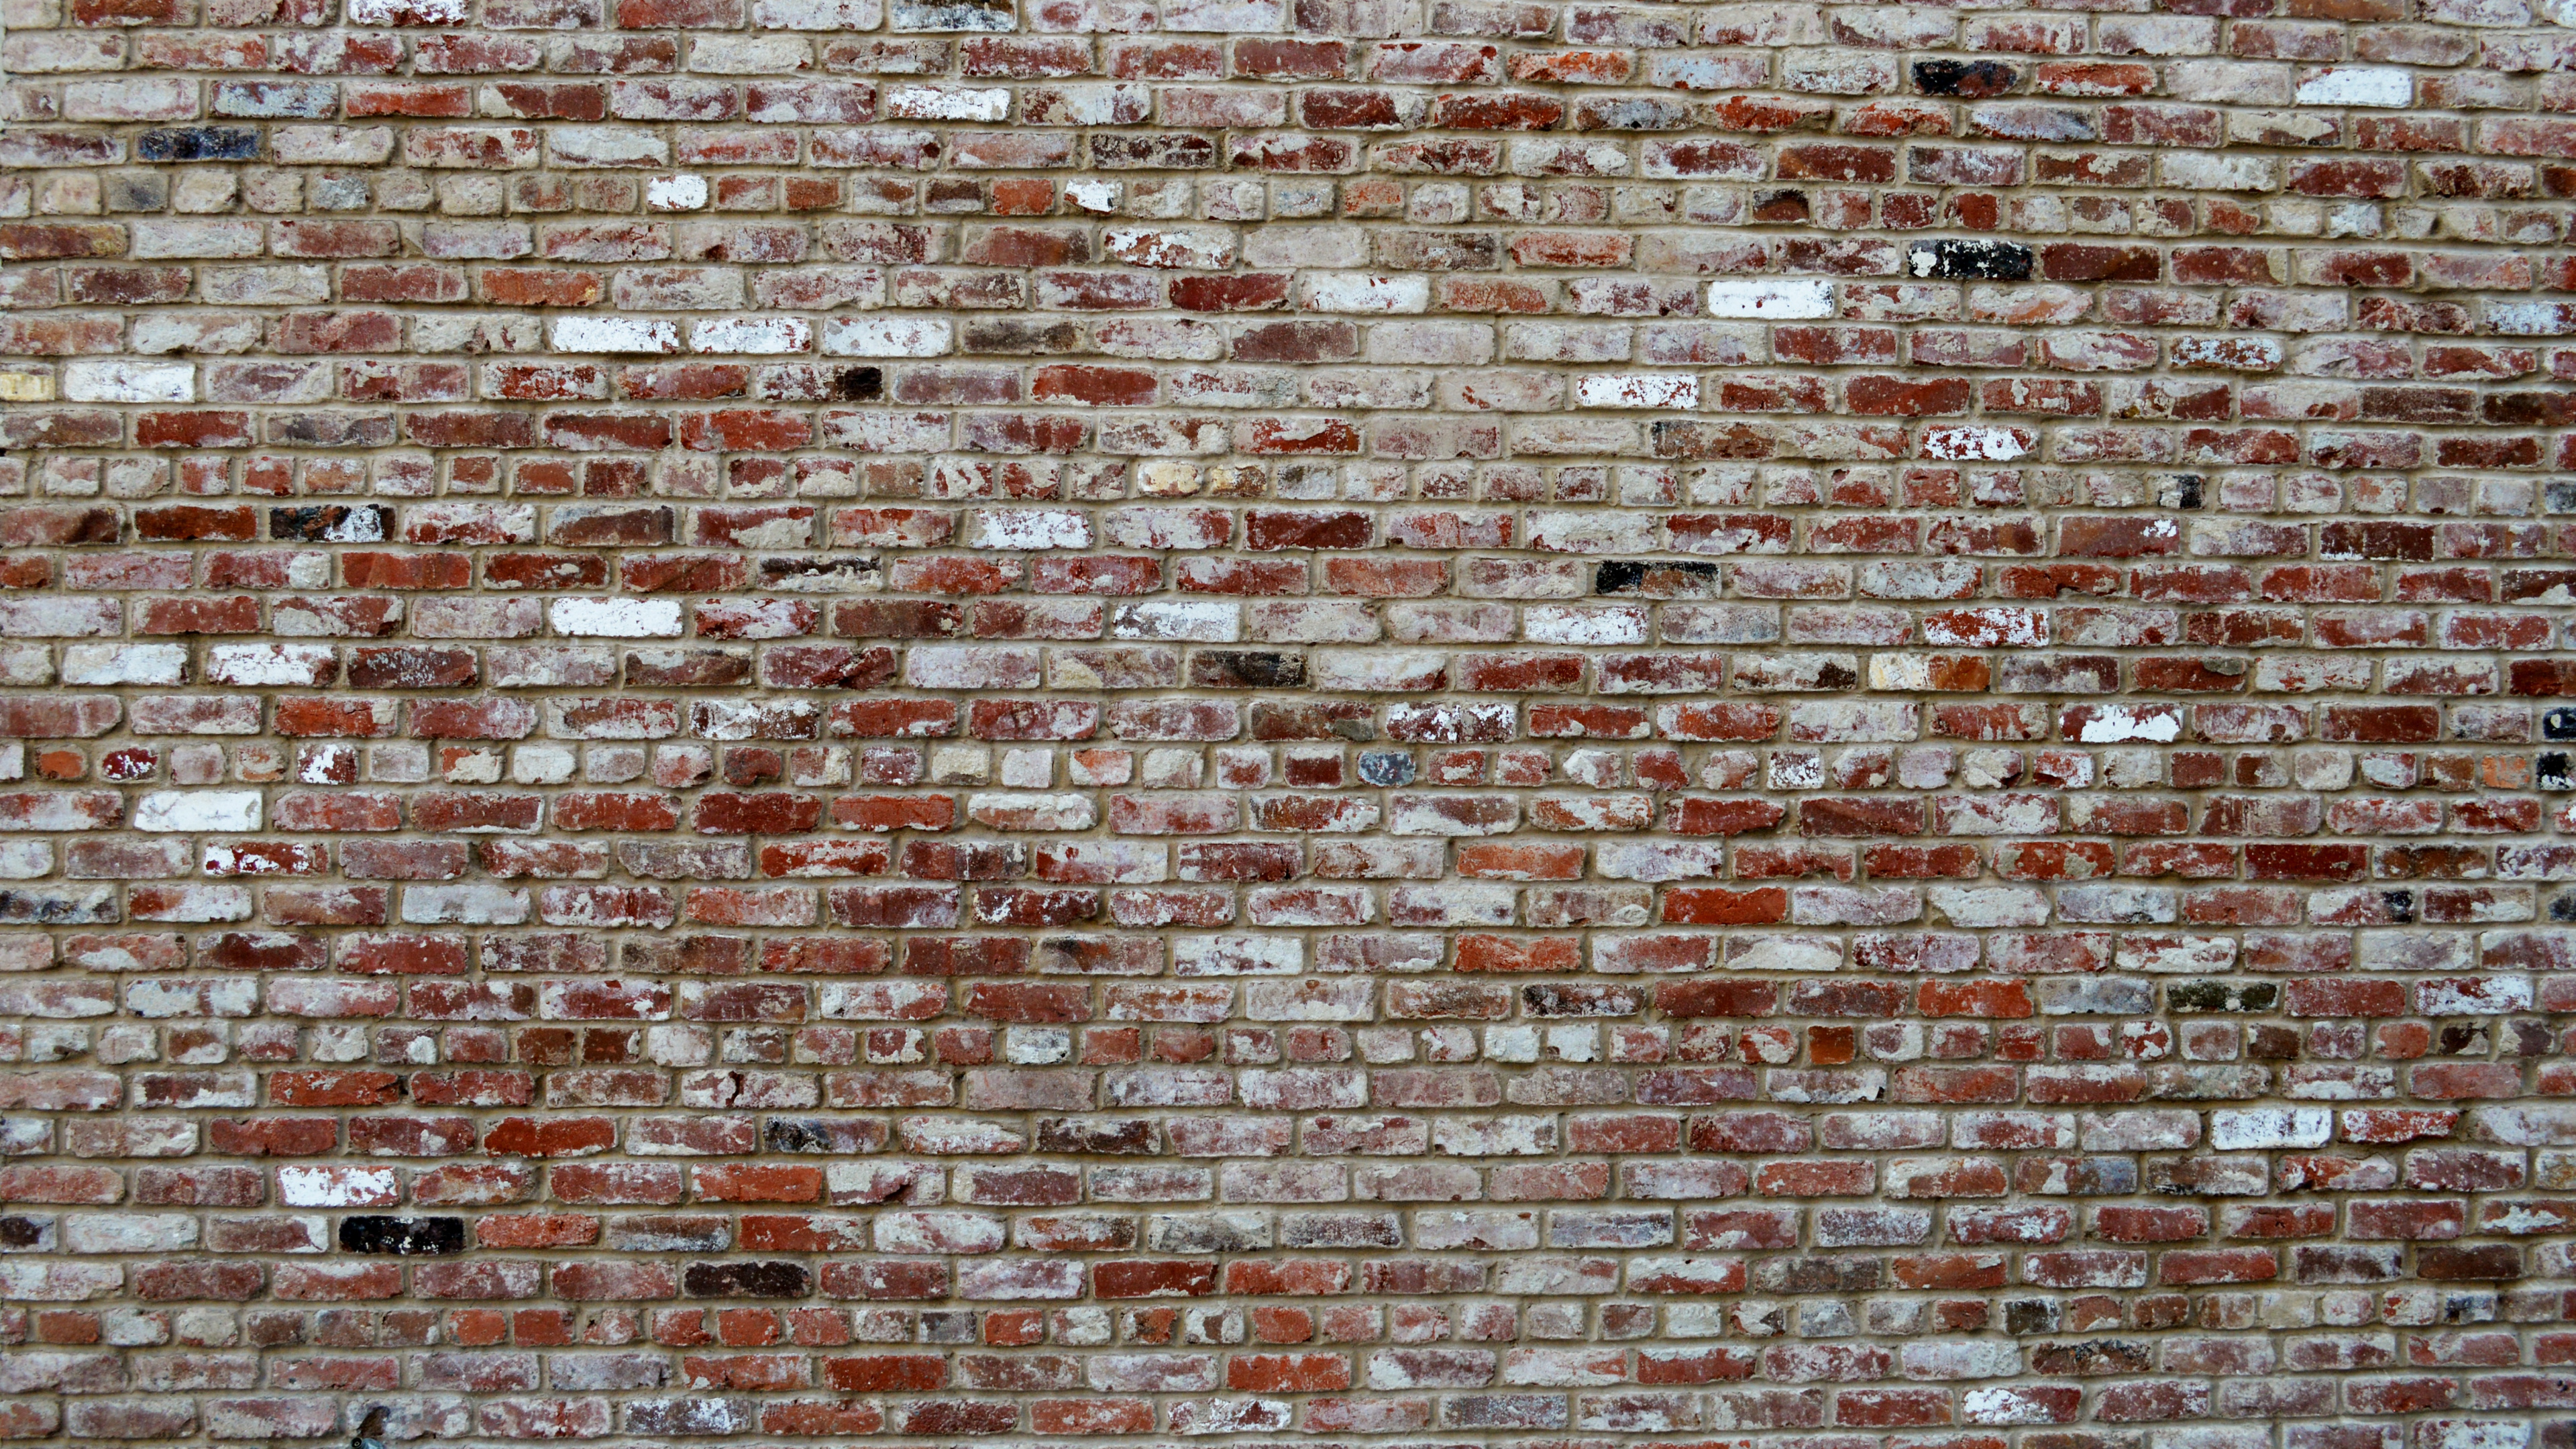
(1376, 722)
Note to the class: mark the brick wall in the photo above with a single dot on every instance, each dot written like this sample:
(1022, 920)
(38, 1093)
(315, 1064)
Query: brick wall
(1427, 722)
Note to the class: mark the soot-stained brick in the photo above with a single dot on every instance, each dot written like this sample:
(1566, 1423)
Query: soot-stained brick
(406, 1237)
(2230, 996)
(1967, 79)
(1655, 578)
(1247, 669)
(1970, 259)
(330, 523)
(2181, 491)
(198, 143)
(773, 1279)
(1386, 767)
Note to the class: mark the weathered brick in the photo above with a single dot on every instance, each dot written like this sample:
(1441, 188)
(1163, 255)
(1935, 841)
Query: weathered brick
(1276, 720)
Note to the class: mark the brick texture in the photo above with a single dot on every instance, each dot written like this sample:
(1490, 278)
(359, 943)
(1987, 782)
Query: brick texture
(1420, 722)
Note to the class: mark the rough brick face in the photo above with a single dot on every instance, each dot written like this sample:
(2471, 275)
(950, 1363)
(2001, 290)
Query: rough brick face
(1452, 722)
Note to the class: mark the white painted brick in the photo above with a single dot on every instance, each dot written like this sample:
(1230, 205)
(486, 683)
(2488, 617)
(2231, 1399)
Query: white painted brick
(197, 902)
(336, 1186)
(818, 14)
(1096, 103)
(473, 904)
(25, 859)
(1378, 669)
(1027, 528)
(1237, 955)
(332, 145)
(615, 334)
(2532, 319)
(970, 666)
(932, 103)
(2121, 723)
(607, 146)
(1771, 297)
(129, 382)
(1963, 442)
(129, 1232)
(125, 663)
(2201, 171)
(718, 54)
(2255, 1129)
(1637, 390)
(676, 193)
(616, 618)
(198, 810)
(886, 337)
(163, 999)
(251, 666)
(1583, 624)
(755, 336)
(1160, 246)
(407, 12)
(2481, 996)
(1206, 621)
(1980, 907)
(59, 618)
(2358, 86)
(1036, 811)
(1360, 292)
